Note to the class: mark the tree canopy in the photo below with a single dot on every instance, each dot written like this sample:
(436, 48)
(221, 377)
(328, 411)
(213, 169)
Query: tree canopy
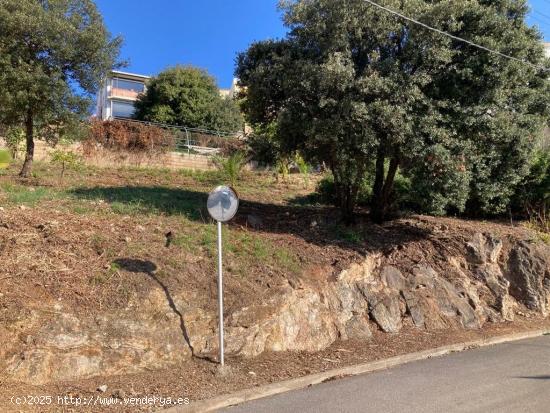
(188, 96)
(53, 56)
(365, 91)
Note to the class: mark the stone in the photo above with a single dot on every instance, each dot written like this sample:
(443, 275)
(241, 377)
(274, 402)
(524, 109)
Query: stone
(119, 394)
(484, 248)
(528, 271)
(393, 278)
(386, 313)
(358, 328)
(102, 388)
(476, 284)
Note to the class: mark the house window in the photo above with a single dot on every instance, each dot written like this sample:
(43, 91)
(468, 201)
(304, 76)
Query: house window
(123, 109)
(129, 85)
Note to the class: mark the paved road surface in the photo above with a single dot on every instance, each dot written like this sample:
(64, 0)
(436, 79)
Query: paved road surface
(512, 377)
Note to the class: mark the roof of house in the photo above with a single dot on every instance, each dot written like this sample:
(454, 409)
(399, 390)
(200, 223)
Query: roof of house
(130, 76)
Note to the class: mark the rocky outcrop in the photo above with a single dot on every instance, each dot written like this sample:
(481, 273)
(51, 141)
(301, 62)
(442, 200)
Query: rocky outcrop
(528, 272)
(481, 281)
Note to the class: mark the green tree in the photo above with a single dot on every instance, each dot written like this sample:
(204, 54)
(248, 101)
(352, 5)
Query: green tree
(66, 160)
(365, 91)
(53, 55)
(188, 96)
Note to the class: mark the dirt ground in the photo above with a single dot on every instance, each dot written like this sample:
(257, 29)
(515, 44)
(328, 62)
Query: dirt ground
(90, 239)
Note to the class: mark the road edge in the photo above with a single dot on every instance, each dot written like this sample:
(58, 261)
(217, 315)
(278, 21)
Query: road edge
(273, 389)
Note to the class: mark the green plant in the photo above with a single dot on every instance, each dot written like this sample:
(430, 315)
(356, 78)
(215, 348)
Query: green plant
(15, 138)
(357, 89)
(532, 196)
(282, 167)
(65, 159)
(5, 159)
(188, 96)
(231, 166)
(303, 167)
(22, 195)
(53, 55)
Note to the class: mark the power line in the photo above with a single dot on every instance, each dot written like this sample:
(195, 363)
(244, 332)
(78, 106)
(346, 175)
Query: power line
(456, 37)
(542, 14)
(540, 22)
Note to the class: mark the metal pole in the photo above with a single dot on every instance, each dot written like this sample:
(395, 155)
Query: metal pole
(220, 290)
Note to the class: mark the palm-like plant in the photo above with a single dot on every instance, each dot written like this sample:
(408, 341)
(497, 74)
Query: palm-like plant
(231, 166)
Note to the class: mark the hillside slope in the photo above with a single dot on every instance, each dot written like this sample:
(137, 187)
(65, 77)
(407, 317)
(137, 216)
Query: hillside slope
(88, 287)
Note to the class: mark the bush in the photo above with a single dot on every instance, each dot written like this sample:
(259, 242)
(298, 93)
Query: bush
(15, 138)
(264, 147)
(532, 196)
(231, 166)
(401, 197)
(66, 159)
(303, 167)
(326, 191)
(5, 159)
(128, 136)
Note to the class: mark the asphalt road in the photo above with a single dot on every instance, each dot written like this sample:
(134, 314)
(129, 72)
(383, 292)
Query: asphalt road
(512, 377)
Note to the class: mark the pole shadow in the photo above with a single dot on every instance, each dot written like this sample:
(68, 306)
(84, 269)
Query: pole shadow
(149, 268)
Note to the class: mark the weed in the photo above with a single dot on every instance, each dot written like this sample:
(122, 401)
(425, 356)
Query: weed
(303, 167)
(348, 234)
(285, 259)
(66, 160)
(22, 195)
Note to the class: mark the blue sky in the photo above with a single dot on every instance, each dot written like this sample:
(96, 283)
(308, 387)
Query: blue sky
(208, 33)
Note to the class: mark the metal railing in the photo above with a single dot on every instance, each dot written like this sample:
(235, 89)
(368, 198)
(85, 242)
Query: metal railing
(199, 141)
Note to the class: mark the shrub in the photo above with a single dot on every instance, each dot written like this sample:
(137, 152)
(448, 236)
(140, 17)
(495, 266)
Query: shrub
(303, 167)
(231, 166)
(263, 146)
(326, 191)
(282, 167)
(66, 159)
(15, 137)
(5, 159)
(532, 196)
(128, 136)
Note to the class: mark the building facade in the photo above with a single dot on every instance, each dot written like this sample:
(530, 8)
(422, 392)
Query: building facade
(118, 94)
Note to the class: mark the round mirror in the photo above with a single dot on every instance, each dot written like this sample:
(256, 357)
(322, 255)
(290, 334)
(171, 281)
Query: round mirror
(222, 203)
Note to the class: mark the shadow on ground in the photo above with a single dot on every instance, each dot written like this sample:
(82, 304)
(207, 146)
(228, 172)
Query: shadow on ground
(148, 199)
(147, 267)
(543, 377)
(319, 225)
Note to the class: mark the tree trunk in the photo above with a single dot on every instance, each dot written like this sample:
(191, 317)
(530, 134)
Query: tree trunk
(347, 204)
(346, 198)
(29, 155)
(383, 188)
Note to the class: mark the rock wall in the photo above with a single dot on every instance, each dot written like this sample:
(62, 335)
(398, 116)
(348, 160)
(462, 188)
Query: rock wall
(483, 283)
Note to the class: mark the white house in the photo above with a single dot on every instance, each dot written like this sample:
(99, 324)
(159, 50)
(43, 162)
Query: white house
(118, 93)
(231, 92)
(547, 48)
(120, 90)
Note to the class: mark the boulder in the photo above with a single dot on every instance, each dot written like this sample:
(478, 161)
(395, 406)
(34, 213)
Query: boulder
(528, 271)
